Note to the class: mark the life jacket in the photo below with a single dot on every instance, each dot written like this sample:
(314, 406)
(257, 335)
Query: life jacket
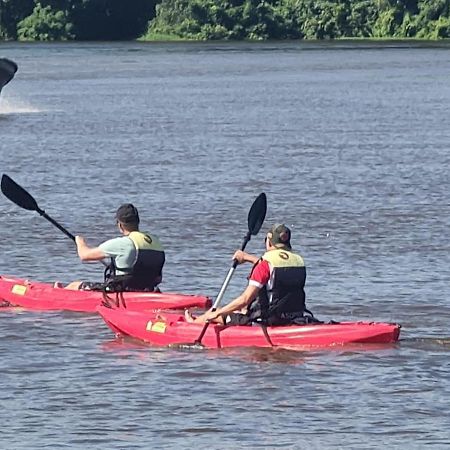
(282, 299)
(146, 272)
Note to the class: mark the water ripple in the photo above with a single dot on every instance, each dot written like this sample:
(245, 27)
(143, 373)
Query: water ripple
(350, 143)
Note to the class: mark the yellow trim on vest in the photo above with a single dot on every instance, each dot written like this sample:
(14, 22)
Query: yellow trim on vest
(283, 258)
(144, 241)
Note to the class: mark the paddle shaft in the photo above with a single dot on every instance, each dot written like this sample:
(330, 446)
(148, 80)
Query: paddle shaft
(55, 223)
(60, 227)
(18, 195)
(223, 288)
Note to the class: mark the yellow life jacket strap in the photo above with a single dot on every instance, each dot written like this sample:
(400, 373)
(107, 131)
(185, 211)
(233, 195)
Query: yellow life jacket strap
(145, 241)
(283, 258)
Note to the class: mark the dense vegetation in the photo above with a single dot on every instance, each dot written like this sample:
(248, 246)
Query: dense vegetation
(302, 19)
(74, 19)
(223, 19)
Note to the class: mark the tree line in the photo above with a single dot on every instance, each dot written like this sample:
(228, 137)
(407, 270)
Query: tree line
(223, 19)
(47, 20)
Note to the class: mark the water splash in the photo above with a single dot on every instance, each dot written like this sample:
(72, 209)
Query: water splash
(15, 106)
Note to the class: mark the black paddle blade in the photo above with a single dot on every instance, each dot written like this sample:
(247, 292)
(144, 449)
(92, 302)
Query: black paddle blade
(7, 70)
(257, 214)
(17, 194)
(256, 217)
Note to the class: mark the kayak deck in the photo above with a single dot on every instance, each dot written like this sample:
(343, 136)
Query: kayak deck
(43, 296)
(162, 329)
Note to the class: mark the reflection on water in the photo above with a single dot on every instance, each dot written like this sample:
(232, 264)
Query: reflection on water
(126, 345)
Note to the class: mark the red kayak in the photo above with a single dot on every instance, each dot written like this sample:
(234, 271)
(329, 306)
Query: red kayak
(43, 296)
(163, 329)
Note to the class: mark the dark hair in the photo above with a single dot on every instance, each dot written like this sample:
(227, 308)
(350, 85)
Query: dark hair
(128, 215)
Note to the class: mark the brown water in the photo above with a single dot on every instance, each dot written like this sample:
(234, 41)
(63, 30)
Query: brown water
(349, 141)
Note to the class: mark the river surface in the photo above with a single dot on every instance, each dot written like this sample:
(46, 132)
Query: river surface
(351, 144)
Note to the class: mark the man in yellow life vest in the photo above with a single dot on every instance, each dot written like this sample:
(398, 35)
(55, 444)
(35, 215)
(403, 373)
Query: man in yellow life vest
(275, 292)
(137, 258)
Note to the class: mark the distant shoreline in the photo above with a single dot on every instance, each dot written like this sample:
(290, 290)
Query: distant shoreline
(178, 40)
(174, 38)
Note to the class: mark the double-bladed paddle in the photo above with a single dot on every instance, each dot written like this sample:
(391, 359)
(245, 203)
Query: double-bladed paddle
(18, 195)
(255, 220)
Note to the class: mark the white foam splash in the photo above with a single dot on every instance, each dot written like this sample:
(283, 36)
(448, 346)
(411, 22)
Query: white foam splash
(15, 106)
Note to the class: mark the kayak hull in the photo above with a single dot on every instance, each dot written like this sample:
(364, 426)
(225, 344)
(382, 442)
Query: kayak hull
(162, 329)
(43, 296)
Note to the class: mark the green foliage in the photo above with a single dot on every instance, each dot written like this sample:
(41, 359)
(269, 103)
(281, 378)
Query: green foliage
(45, 24)
(325, 19)
(361, 18)
(223, 19)
(216, 19)
(430, 22)
(289, 14)
(86, 19)
(434, 9)
(172, 19)
(441, 28)
(301, 19)
(385, 24)
(12, 12)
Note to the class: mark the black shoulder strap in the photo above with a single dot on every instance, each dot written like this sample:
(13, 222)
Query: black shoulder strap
(110, 271)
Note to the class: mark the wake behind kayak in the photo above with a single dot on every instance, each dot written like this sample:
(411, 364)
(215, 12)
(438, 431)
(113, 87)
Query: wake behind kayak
(7, 70)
